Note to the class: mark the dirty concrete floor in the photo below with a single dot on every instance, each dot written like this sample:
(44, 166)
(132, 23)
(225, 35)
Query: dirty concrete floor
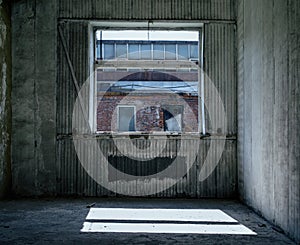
(58, 221)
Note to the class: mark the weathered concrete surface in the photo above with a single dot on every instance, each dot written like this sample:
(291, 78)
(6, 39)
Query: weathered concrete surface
(5, 98)
(33, 97)
(269, 105)
(39, 168)
(58, 221)
(219, 66)
(268, 93)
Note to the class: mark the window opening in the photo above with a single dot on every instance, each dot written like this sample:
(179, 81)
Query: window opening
(142, 74)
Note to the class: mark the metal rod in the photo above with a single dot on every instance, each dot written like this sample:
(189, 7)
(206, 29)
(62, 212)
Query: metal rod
(101, 21)
(101, 55)
(202, 80)
(75, 82)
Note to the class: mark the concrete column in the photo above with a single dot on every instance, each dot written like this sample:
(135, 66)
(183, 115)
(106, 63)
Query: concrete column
(5, 97)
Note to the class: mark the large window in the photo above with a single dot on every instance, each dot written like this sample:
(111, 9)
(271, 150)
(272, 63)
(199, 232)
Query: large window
(147, 81)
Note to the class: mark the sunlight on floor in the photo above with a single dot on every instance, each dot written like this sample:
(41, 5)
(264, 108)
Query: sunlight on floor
(188, 221)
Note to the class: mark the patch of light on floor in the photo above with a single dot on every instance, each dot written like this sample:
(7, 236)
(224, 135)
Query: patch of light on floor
(209, 215)
(193, 221)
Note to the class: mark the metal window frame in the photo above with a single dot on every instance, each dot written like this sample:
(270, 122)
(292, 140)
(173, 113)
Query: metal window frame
(144, 25)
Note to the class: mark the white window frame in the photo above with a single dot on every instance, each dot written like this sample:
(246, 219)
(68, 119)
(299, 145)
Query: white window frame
(118, 116)
(144, 25)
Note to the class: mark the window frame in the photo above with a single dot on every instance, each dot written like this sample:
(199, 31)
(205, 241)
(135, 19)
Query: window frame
(118, 116)
(144, 25)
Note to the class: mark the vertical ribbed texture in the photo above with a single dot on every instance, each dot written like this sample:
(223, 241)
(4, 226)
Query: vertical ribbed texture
(219, 64)
(240, 94)
(294, 117)
(220, 67)
(269, 121)
(148, 10)
(77, 45)
(73, 179)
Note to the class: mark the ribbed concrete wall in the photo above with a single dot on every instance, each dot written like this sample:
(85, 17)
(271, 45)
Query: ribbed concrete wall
(44, 160)
(148, 10)
(5, 98)
(269, 101)
(73, 179)
(220, 68)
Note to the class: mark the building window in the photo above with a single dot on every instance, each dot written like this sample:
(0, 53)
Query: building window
(109, 51)
(158, 51)
(121, 50)
(170, 51)
(173, 118)
(183, 52)
(126, 118)
(143, 50)
(194, 51)
(147, 84)
(133, 51)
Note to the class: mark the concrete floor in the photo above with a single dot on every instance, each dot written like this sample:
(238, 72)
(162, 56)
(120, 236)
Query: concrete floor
(58, 221)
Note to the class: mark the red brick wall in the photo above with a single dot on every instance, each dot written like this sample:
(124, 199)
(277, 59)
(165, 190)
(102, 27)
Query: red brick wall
(149, 110)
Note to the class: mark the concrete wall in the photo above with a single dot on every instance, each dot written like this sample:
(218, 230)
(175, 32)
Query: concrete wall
(219, 35)
(268, 99)
(33, 97)
(268, 110)
(44, 161)
(5, 98)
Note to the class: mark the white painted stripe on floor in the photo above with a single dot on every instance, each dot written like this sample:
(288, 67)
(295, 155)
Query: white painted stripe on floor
(193, 215)
(166, 228)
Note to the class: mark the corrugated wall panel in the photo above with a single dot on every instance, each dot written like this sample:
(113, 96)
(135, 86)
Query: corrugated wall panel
(148, 10)
(73, 179)
(76, 39)
(219, 65)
